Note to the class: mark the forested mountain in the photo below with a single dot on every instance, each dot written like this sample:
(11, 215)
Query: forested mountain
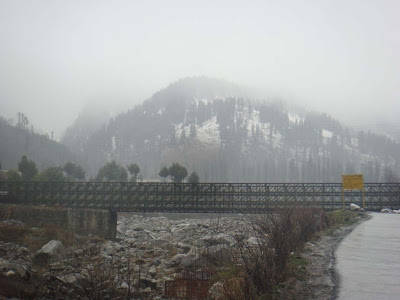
(213, 127)
(19, 140)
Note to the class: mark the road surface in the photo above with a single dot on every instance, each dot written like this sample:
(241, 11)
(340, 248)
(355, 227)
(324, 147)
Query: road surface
(368, 260)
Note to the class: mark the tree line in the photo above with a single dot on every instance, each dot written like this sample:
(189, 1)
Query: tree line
(111, 171)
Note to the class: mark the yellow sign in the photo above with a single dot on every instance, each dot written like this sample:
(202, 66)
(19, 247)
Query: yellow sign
(353, 182)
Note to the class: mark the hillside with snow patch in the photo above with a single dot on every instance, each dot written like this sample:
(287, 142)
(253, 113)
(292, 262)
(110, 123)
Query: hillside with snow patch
(203, 125)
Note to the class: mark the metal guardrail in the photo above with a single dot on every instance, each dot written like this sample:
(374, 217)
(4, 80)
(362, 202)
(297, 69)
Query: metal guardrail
(200, 197)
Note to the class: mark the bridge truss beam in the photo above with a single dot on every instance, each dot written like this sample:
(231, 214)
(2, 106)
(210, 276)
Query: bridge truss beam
(196, 198)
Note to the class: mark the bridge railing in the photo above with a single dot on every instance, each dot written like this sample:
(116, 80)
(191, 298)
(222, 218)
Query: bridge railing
(200, 197)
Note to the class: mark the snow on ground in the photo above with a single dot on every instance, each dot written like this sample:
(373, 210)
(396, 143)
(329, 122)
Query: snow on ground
(113, 143)
(253, 121)
(293, 118)
(327, 134)
(208, 132)
(354, 142)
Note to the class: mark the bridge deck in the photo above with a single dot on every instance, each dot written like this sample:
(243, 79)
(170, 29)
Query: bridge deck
(200, 198)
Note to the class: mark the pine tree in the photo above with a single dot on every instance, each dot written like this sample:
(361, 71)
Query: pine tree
(177, 172)
(193, 131)
(164, 173)
(27, 168)
(112, 172)
(193, 178)
(134, 170)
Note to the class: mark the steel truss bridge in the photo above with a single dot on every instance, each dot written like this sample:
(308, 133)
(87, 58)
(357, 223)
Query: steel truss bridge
(196, 198)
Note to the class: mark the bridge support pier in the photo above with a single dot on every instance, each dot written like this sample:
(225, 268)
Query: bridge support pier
(84, 221)
(102, 223)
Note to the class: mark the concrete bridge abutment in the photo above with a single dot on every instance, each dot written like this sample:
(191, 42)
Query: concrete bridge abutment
(83, 221)
(102, 223)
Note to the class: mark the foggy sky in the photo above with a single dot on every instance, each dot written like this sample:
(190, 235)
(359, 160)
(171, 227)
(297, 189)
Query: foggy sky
(340, 57)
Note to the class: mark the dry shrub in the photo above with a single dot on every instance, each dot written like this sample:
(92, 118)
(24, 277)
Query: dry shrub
(238, 288)
(101, 277)
(54, 232)
(97, 280)
(265, 259)
(9, 233)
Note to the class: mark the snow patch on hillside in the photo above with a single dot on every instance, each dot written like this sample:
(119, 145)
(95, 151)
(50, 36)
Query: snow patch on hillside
(208, 133)
(294, 118)
(113, 143)
(327, 134)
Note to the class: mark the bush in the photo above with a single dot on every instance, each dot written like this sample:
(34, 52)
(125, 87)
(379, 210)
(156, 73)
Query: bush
(264, 260)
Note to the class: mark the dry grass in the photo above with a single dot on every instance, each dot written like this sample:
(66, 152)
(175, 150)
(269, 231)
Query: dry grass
(35, 238)
(9, 233)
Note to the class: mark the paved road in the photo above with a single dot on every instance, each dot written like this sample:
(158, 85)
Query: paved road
(368, 260)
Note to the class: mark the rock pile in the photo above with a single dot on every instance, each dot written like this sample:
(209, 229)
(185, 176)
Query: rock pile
(148, 252)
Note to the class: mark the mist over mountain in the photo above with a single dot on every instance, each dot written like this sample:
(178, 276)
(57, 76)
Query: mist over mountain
(221, 131)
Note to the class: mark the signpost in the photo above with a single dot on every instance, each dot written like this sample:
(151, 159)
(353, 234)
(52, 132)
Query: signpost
(353, 182)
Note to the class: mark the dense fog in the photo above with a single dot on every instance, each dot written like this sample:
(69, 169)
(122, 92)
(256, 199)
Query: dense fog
(337, 57)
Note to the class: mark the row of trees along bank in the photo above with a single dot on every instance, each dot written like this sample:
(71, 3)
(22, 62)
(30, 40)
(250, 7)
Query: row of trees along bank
(111, 171)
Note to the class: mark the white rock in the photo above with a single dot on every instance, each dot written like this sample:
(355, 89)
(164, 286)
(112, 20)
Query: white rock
(253, 240)
(70, 278)
(217, 291)
(124, 285)
(9, 273)
(152, 270)
(218, 239)
(355, 207)
(184, 228)
(177, 259)
(386, 210)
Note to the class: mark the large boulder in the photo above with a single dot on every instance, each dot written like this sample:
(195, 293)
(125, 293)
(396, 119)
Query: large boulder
(217, 291)
(52, 252)
(177, 259)
(184, 260)
(219, 239)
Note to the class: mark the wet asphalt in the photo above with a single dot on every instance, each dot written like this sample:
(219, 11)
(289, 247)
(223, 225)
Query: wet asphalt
(368, 260)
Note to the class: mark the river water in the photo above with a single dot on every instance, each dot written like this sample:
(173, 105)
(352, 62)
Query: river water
(368, 260)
